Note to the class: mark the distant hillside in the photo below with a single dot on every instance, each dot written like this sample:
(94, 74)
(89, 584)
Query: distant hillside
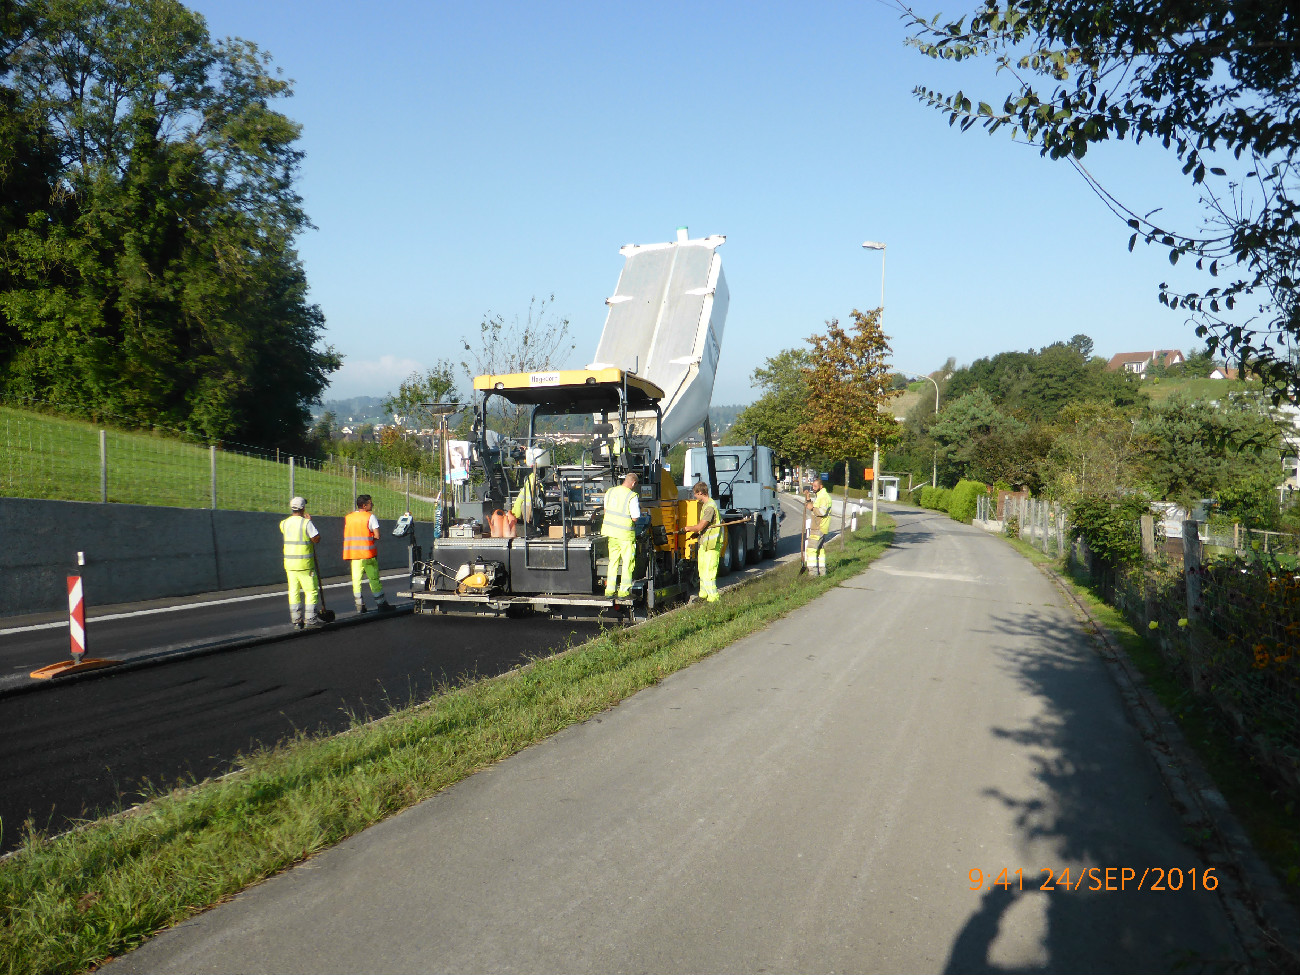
(722, 417)
(358, 409)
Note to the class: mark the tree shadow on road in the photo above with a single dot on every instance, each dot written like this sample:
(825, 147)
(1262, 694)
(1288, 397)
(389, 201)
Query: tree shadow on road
(1097, 802)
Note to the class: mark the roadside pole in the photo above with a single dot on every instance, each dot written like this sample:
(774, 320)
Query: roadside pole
(875, 483)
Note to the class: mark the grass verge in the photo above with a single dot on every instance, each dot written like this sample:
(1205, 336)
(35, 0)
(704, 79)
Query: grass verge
(58, 459)
(1267, 814)
(75, 900)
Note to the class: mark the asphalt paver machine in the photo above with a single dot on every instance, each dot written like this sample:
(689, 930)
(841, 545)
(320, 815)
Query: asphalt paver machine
(582, 431)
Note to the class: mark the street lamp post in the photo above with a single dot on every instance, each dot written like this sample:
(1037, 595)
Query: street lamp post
(934, 474)
(875, 245)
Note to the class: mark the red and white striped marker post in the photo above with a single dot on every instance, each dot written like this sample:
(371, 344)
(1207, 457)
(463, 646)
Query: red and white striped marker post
(77, 618)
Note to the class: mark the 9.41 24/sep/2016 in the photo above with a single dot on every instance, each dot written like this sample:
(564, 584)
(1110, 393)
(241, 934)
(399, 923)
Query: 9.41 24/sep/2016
(1099, 879)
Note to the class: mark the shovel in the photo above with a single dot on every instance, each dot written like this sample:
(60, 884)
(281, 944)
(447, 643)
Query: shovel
(325, 613)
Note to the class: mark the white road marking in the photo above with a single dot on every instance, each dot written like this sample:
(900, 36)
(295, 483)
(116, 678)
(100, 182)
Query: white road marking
(940, 576)
(62, 624)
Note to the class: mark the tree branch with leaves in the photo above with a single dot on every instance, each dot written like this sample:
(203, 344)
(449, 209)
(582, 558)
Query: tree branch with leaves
(1215, 83)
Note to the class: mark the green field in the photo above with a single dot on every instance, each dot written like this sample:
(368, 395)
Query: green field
(58, 459)
(1161, 390)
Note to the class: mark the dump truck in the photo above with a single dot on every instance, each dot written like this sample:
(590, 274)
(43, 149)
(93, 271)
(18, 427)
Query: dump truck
(522, 533)
(744, 482)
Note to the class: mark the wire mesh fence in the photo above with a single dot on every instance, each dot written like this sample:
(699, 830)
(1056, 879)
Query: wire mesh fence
(1230, 630)
(56, 459)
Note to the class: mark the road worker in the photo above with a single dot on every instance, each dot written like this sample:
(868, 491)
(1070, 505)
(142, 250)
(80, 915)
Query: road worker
(526, 501)
(712, 535)
(622, 511)
(300, 538)
(817, 515)
(361, 550)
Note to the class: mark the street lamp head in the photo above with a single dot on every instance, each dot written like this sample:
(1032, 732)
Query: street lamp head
(873, 245)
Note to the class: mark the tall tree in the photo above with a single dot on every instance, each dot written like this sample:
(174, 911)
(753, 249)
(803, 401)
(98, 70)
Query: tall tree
(848, 384)
(1098, 450)
(153, 274)
(437, 385)
(777, 416)
(1214, 82)
(1197, 449)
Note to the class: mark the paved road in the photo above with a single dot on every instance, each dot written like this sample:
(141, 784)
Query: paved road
(70, 750)
(812, 798)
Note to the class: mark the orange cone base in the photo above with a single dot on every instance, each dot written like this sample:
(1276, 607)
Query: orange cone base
(68, 667)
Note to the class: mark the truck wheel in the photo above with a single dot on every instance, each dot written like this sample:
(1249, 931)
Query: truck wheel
(740, 554)
(725, 559)
(756, 550)
(773, 534)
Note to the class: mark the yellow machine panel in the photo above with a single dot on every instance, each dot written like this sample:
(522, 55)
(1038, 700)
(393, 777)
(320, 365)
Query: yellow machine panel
(688, 513)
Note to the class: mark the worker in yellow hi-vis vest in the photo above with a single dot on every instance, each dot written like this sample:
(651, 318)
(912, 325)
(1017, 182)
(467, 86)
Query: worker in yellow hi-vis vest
(712, 537)
(622, 509)
(300, 535)
(817, 516)
(361, 551)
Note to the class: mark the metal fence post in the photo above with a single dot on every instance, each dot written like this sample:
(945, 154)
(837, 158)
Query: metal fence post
(354, 480)
(103, 467)
(292, 492)
(1192, 583)
(212, 457)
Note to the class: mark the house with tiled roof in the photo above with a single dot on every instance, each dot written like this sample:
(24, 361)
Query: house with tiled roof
(1139, 362)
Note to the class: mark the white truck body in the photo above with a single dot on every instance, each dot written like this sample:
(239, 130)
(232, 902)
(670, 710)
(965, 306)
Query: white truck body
(665, 323)
(747, 490)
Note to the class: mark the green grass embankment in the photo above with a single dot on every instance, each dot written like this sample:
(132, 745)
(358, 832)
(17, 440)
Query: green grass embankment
(58, 459)
(72, 901)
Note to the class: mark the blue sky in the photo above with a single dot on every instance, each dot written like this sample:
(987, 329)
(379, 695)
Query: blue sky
(463, 158)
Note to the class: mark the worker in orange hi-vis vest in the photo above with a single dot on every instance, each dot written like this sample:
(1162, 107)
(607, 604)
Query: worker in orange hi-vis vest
(361, 548)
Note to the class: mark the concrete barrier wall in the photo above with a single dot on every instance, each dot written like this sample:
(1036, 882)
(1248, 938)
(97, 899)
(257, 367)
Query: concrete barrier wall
(135, 552)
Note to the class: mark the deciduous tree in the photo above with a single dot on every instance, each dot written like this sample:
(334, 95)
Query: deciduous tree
(776, 418)
(437, 385)
(848, 382)
(147, 262)
(1215, 83)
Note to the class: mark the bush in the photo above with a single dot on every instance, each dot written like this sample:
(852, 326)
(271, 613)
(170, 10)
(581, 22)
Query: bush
(961, 504)
(1110, 528)
(936, 499)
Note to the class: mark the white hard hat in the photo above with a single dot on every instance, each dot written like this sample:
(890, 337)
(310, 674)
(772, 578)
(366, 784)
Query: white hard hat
(298, 504)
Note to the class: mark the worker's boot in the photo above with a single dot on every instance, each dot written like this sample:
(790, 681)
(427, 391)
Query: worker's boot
(361, 606)
(296, 620)
(383, 605)
(314, 619)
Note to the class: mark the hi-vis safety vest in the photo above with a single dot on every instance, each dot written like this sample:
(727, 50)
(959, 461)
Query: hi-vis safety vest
(297, 544)
(822, 503)
(711, 537)
(358, 543)
(618, 511)
(528, 492)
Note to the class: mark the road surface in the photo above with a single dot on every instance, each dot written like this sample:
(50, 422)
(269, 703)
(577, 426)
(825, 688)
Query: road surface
(72, 750)
(815, 797)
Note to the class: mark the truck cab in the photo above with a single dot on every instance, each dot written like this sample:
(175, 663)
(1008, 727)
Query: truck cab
(743, 479)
